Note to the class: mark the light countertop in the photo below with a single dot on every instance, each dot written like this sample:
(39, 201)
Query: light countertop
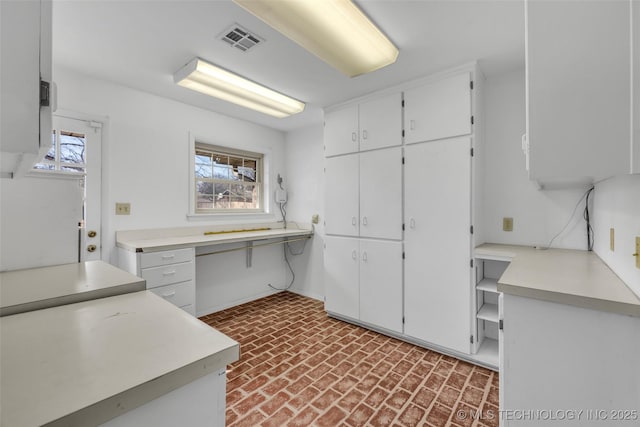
(165, 239)
(38, 288)
(85, 363)
(565, 276)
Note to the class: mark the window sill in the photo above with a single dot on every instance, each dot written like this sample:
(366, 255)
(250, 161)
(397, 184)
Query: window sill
(233, 216)
(36, 173)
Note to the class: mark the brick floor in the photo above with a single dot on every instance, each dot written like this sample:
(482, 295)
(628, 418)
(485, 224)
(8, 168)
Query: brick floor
(299, 367)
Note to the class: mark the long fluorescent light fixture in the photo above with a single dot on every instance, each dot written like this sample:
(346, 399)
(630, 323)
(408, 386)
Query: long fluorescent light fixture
(336, 31)
(214, 81)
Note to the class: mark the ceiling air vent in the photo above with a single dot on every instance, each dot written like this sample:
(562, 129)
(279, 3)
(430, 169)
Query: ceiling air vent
(240, 38)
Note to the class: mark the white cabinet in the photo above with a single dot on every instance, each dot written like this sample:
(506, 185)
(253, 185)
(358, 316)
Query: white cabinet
(635, 23)
(438, 242)
(170, 274)
(25, 60)
(440, 109)
(364, 194)
(363, 280)
(578, 89)
(371, 124)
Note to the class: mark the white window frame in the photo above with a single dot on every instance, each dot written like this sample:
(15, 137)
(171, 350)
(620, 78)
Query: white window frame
(57, 163)
(195, 213)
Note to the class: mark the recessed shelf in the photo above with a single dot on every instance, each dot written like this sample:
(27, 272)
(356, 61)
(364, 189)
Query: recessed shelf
(488, 312)
(489, 285)
(488, 352)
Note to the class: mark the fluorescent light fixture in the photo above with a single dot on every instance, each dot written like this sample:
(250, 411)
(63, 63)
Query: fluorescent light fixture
(336, 31)
(214, 81)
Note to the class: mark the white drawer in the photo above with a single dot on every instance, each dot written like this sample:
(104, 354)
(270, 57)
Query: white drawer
(168, 274)
(180, 294)
(154, 259)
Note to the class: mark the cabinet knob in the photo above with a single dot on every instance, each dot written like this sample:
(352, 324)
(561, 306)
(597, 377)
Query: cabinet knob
(354, 255)
(92, 233)
(354, 221)
(364, 220)
(354, 136)
(169, 273)
(364, 134)
(412, 223)
(168, 294)
(91, 248)
(364, 256)
(412, 124)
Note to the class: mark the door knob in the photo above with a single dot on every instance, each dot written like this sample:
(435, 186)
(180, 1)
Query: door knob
(91, 248)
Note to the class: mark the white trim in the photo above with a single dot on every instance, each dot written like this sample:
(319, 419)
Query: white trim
(55, 174)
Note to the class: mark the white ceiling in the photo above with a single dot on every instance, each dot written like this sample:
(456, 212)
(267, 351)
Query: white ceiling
(140, 44)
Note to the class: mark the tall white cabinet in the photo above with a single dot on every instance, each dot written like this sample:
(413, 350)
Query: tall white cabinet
(399, 210)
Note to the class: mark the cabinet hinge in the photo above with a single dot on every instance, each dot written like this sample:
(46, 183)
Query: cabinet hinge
(471, 84)
(471, 262)
(403, 132)
(471, 119)
(472, 152)
(471, 229)
(471, 339)
(402, 227)
(44, 93)
(501, 324)
(403, 320)
(403, 256)
(403, 102)
(403, 160)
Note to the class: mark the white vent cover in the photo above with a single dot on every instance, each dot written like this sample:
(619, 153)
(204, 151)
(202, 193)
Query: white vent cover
(240, 38)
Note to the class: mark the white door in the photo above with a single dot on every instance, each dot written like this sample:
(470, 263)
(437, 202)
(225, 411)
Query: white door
(81, 142)
(438, 242)
(341, 195)
(438, 110)
(381, 284)
(341, 276)
(381, 193)
(341, 131)
(381, 122)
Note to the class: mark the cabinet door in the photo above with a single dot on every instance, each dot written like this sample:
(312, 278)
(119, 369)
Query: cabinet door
(438, 110)
(578, 90)
(341, 276)
(438, 242)
(341, 197)
(381, 284)
(381, 194)
(341, 131)
(381, 122)
(25, 49)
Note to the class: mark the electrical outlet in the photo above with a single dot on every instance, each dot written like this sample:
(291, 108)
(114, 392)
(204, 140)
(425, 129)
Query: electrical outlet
(612, 239)
(507, 224)
(637, 253)
(123, 208)
(315, 219)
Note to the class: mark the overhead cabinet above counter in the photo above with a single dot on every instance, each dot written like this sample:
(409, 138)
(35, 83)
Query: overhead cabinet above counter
(579, 92)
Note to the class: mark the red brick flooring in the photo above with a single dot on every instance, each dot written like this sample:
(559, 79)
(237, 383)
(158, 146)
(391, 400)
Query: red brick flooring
(300, 368)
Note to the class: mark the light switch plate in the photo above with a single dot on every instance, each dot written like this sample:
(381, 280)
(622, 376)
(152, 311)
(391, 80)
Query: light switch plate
(123, 208)
(507, 224)
(637, 253)
(612, 239)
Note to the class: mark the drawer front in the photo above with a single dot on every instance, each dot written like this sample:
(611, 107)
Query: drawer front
(155, 259)
(191, 309)
(168, 274)
(180, 294)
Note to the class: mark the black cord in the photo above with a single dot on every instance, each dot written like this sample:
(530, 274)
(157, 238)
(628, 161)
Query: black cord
(585, 215)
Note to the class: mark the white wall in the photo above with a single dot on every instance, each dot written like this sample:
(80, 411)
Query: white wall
(146, 163)
(617, 205)
(304, 157)
(537, 215)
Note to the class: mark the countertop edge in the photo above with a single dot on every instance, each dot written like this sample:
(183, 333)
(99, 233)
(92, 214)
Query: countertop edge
(121, 403)
(568, 299)
(110, 291)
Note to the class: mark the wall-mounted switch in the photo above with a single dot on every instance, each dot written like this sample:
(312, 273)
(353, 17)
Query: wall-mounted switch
(507, 224)
(637, 252)
(123, 208)
(315, 219)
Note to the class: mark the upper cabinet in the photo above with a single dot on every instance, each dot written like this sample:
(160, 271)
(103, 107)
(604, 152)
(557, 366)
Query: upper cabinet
(371, 124)
(440, 109)
(635, 13)
(578, 73)
(25, 75)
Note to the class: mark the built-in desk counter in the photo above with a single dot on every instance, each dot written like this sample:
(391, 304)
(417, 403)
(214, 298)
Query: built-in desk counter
(44, 287)
(564, 276)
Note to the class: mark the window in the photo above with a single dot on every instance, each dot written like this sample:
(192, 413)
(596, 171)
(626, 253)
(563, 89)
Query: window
(227, 180)
(67, 153)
